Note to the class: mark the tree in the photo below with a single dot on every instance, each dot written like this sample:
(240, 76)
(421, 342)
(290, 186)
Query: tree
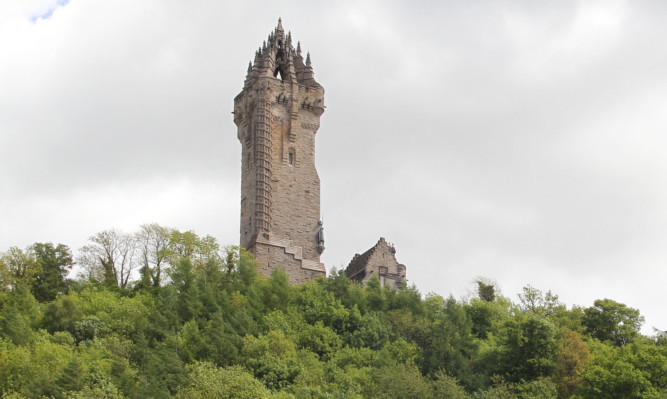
(155, 250)
(54, 262)
(110, 258)
(486, 289)
(608, 320)
(498, 390)
(446, 386)
(18, 266)
(199, 250)
(72, 377)
(14, 327)
(204, 381)
(451, 342)
(400, 381)
(619, 380)
(572, 358)
(534, 301)
(529, 348)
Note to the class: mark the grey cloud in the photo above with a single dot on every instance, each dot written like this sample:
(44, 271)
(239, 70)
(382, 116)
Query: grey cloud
(506, 139)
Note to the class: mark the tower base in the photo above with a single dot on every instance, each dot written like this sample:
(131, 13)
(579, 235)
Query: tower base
(272, 253)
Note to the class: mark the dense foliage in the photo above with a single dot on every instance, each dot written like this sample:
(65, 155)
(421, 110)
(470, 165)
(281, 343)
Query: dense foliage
(162, 313)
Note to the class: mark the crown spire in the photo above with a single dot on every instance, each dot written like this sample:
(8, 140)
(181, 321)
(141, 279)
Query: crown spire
(277, 57)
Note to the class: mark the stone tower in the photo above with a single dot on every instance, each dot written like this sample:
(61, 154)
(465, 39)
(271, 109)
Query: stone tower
(277, 115)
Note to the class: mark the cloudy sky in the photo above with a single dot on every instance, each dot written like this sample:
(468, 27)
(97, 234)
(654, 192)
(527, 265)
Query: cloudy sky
(521, 141)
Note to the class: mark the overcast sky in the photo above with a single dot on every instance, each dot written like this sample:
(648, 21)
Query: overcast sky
(521, 141)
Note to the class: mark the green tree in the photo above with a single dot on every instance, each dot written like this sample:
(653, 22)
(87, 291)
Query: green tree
(54, 264)
(155, 251)
(199, 250)
(446, 386)
(529, 348)
(205, 381)
(571, 360)
(319, 339)
(451, 342)
(541, 388)
(18, 266)
(534, 301)
(71, 378)
(62, 314)
(487, 317)
(373, 332)
(499, 390)
(486, 289)
(608, 320)
(14, 327)
(272, 359)
(619, 380)
(400, 381)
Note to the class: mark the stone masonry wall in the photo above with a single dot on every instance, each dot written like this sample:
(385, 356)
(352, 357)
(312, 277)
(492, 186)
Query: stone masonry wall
(270, 257)
(383, 255)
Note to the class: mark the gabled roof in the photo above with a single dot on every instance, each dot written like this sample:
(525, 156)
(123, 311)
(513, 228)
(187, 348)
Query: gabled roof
(359, 262)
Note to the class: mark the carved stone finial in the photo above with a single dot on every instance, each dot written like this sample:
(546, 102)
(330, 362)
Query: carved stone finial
(280, 25)
(308, 64)
(298, 48)
(249, 67)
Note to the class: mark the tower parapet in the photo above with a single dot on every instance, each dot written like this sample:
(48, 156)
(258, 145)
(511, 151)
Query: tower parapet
(277, 115)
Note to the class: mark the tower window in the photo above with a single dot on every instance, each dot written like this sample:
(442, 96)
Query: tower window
(291, 157)
(383, 274)
(277, 72)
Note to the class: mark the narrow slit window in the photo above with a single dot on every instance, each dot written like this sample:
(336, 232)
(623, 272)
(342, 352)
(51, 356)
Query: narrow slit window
(291, 157)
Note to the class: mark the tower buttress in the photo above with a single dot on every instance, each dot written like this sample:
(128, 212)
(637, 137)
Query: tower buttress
(277, 115)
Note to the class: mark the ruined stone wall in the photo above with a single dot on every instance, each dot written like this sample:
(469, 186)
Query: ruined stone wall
(384, 256)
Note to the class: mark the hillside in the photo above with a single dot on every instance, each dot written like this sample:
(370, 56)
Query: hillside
(164, 313)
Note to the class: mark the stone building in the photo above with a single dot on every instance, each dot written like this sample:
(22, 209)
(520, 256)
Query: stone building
(277, 115)
(379, 261)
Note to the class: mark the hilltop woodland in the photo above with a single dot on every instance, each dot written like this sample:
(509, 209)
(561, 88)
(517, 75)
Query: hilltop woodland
(163, 313)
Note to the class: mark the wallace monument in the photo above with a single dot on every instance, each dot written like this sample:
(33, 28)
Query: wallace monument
(277, 115)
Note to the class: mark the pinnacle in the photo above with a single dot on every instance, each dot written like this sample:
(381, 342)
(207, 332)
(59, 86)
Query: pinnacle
(280, 25)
